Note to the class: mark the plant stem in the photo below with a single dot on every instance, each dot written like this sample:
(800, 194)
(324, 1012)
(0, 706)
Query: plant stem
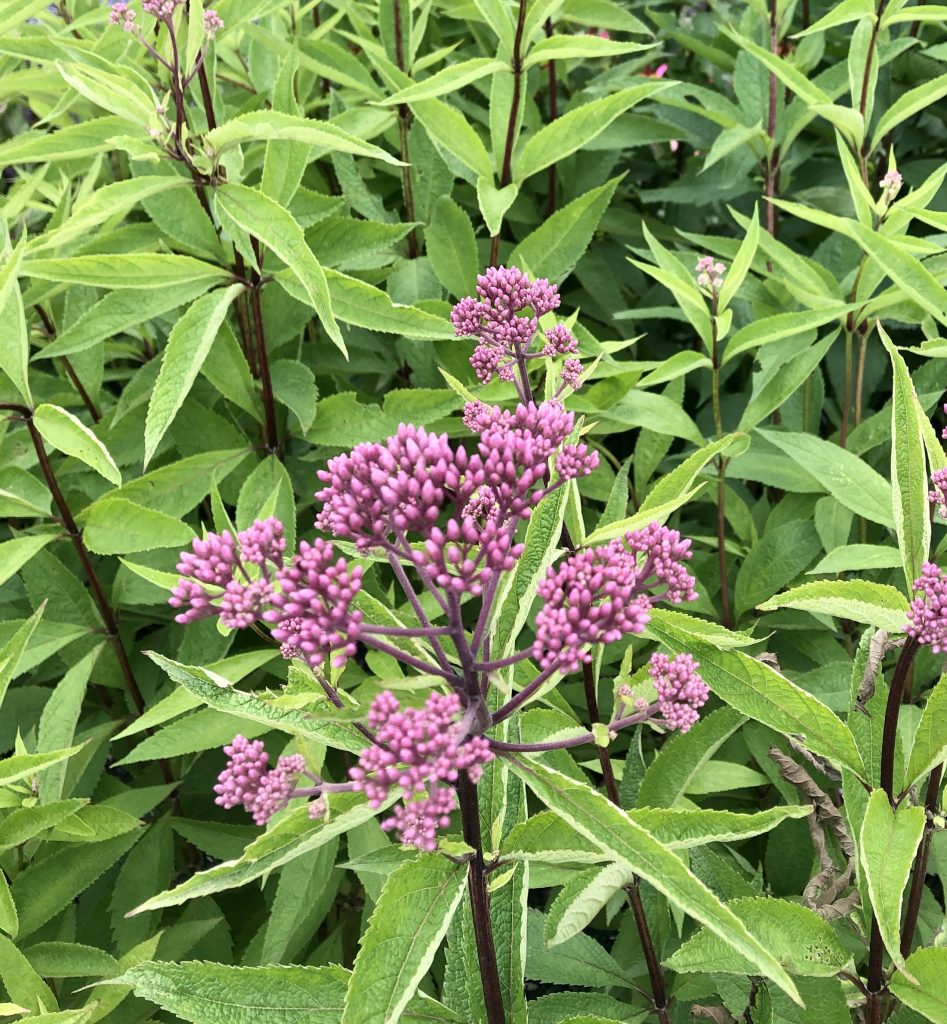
(553, 114)
(517, 68)
(864, 331)
(771, 175)
(892, 711)
(920, 863)
(480, 902)
(633, 891)
(403, 122)
(721, 469)
(271, 434)
(847, 391)
(863, 98)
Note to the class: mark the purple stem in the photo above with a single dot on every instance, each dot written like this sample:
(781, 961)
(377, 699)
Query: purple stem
(575, 741)
(524, 695)
(407, 659)
(492, 666)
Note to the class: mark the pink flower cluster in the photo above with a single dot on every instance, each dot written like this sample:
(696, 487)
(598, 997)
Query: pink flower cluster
(681, 690)
(230, 577)
(379, 494)
(123, 14)
(927, 616)
(598, 595)
(504, 318)
(891, 184)
(709, 273)
(422, 752)
(247, 782)
(938, 492)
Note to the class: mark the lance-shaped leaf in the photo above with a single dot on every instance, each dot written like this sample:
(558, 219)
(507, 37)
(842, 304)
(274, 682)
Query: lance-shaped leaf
(758, 691)
(12, 651)
(69, 435)
(209, 993)
(608, 827)
(264, 218)
(908, 468)
(581, 898)
(14, 338)
(930, 739)
(217, 692)
(801, 941)
(926, 993)
(25, 766)
(14, 554)
(404, 934)
(189, 344)
(449, 79)
(875, 604)
(291, 837)
(889, 839)
(145, 270)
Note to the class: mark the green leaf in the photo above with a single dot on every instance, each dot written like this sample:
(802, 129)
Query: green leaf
(267, 125)
(783, 553)
(781, 381)
(26, 766)
(679, 760)
(145, 270)
(117, 526)
(263, 218)
(844, 475)
(887, 844)
(14, 554)
(760, 692)
(930, 739)
(741, 263)
(874, 604)
(363, 305)
(293, 835)
(789, 75)
(768, 329)
(71, 960)
(115, 93)
(841, 14)
(554, 248)
(453, 134)
(403, 936)
(494, 202)
(912, 102)
(86, 138)
(449, 79)
(855, 557)
(451, 244)
(189, 344)
(13, 650)
(799, 939)
(608, 827)
(580, 900)
(927, 996)
(9, 920)
(219, 693)
(578, 47)
(579, 961)
(578, 127)
(69, 435)
(23, 985)
(14, 340)
(57, 724)
(23, 823)
(681, 478)
(908, 468)
(681, 829)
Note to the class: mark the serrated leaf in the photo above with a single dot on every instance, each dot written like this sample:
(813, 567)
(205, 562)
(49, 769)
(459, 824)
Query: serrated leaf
(926, 993)
(69, 435)
(147, 270)
(609, 828)
(117, 526)
(448, 79)
(874, 604)
(24, 766)
(768, 329)
(14, 554)
(581, 898)
(403, 936)
(188, 345)
(452, 247)
(887, 844)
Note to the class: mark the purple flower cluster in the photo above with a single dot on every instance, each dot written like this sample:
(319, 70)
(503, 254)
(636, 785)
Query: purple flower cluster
(247, 782)
(597, 595)
(938, 492)
(927, 616)
(421, 751)
(710, 273)
(504, 318)
(230, 577)
(122, 13)
(681, 691)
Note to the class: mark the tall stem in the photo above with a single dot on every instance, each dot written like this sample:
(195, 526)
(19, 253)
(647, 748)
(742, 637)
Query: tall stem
(772, 157)
(920, 863)
(480, 902)
(516, 66)
(50, 328)
(847, 391)
(404, 116)
(863, 98)
(553, 114)
(721, 469)
(271, 438)
(633, 890)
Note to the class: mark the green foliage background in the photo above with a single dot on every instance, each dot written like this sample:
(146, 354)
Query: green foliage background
(342, 188)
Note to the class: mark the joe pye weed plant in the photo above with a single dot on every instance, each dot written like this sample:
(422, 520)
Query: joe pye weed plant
(472, 498)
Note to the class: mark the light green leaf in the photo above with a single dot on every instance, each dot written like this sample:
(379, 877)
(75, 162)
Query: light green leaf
(263, 218)
(783, 553)
(760, 692)
(581, 898)
(14, 338)
(768, 329)
(452, 247)
(889, 839)
(840, 14)
(781, 382)
(14, 554)
(9, 920)
(144, 270)
(117, 526)
(741, 263)
(642, 518)
(452, 133)
(403, 936)
(930, 739)
(24, 823)
(24, 766)
(115, 93)
(851, 481)
(799, 939)
(855, 557)
(578, 127)
(494, 202)
(189, 343)
(578, 47)
(612, 831)
(875, 604)
(448, 79)
(926, 994)
(69, 435)
(266, 125)
(921, 97)
(12, 651)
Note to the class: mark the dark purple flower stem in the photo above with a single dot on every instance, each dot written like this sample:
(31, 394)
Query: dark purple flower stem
(517, 69)
(771, 167)
(50, 328)
(721, 469)
(408, 659)
(877, 987)
(520, 698)
(404, 121)
(866, 78)
(920, 863)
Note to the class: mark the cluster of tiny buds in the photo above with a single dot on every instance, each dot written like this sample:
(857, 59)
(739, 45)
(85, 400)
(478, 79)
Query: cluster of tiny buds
(891, 185)
(123, 14)
(710, 273)
(927, 616)
(937, 495)
(680, 688)
(246, 781)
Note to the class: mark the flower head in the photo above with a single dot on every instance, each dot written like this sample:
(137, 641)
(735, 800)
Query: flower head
(421, 752)
(681, 690)
(938, 493)
(927, 616)
(213, 22)
(598, 595)
(891, 185)
(246, 781)
(710, 273)
(659, 72)
(122, 14)
(161, 9)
